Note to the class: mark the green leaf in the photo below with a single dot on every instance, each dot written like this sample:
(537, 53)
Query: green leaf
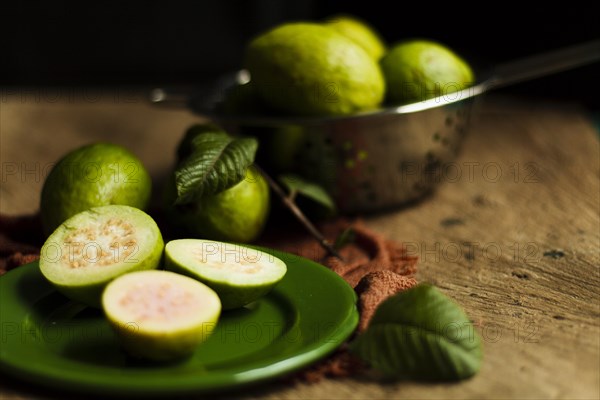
(421, 334)
(212, 162)
(298, 185)
(186, 145)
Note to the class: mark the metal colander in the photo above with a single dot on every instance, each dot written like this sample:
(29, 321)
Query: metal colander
(380, 159)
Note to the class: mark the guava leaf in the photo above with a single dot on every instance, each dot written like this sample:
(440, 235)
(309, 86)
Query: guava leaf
(213, 161)
(311, 190)
(420, 334)
(186, 145)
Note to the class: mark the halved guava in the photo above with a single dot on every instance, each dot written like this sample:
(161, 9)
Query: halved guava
(160, 315)
(239, 274)
(95, 246)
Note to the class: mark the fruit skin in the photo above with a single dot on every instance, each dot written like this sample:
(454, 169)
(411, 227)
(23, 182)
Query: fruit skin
(308, 69)
(89, 291)
(360, 32)
(166, 347)
(163, 344)
(237, 214)
(232, 295)
(416, 70)
(93, 175)
(282, 146)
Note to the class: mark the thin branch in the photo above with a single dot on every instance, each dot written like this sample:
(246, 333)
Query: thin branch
(291, 205)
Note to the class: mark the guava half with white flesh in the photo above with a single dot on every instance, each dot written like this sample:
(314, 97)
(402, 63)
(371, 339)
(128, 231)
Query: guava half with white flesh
(95, 246)
(239, 274)
(160, 315)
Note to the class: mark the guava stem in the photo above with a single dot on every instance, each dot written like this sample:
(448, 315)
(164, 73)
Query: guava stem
(291, 205)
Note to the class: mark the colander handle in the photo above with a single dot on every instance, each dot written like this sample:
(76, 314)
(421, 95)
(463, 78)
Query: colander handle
(200, 98)
(540, 65)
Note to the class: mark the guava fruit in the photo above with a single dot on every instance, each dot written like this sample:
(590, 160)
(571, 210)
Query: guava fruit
(94, 175)
(360, 32)
(160, 315)
(239, 274)
(309, 69)
(95, 246)
(417, 70)
(237, 214)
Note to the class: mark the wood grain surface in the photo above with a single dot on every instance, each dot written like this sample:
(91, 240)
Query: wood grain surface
(512, 234)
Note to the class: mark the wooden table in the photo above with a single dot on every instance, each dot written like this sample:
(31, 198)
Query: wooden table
(515, 238)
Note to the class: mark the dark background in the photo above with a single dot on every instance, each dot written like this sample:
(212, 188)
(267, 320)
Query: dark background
(186, 43)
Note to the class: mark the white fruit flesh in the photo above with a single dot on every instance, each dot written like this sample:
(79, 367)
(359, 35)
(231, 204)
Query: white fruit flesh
(93, 247)
(97, 243)
(160, 315)
(108, 237)
(226, 262)
(239, 274)
(160, 302)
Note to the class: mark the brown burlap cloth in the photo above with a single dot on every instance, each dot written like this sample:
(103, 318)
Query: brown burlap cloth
(375, 266)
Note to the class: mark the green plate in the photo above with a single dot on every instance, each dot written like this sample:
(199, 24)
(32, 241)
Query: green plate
(49, 340)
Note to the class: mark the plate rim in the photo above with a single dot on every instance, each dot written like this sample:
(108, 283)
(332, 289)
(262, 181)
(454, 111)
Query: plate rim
(220, 382)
